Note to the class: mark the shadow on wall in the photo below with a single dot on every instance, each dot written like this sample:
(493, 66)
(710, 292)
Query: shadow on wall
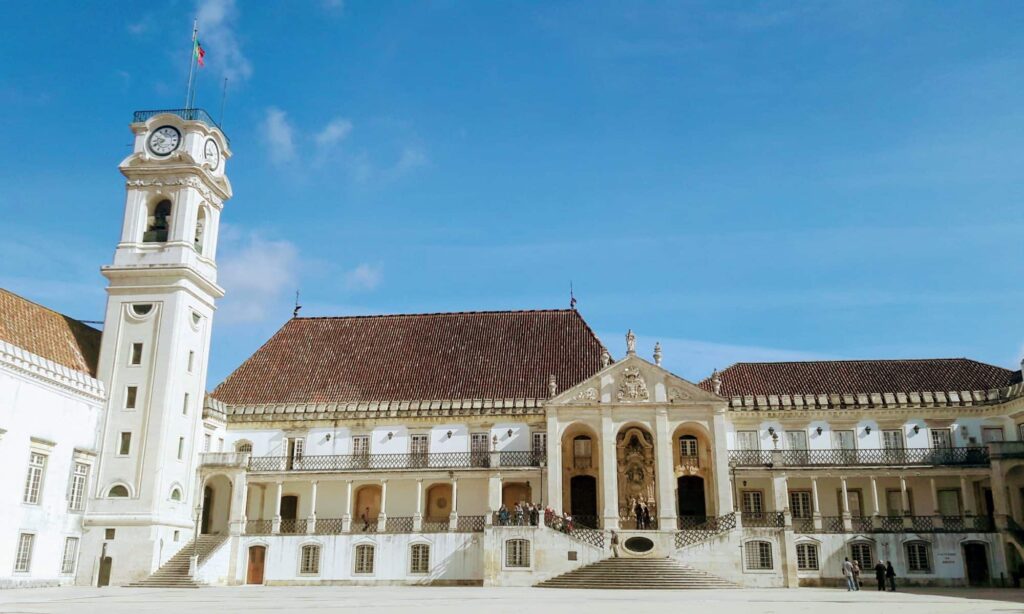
(457, 565)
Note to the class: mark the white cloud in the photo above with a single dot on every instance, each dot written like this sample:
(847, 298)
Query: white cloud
(217, 34)
(364, 277)
(334, 132)
(257, 274)
(411, 158)
(280, 136)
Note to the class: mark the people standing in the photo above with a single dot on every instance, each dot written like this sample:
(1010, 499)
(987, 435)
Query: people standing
(880, 575)
(615, 544)
(638, 513)
(647, 516)
(848, 574)
(503, 515)
(856, 575)
(366, 519)
(891, 574)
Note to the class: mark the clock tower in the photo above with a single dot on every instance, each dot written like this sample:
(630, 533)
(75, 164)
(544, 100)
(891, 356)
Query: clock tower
(156, 340)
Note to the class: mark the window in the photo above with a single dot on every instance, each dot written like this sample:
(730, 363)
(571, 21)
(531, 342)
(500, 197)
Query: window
(141, 309)
(184, 405)
(419, 557)
(108, 534)
(941, 438)
(79, 479)
(23, 558)
(892, 439)
(582, 452)
(124, 446)
(796, 440)
(361, 445)
(158, 223)
(540, 444)
(136, 358)
(197, 243)
(207, 441)
(894, 502)
(419, 444)
(844, 440)
(517, 553)
(478, 442)
(131, 394)
(181, 447)
(949, 502)
(364, 559)
(806, 557)
(34, 479)
(309, 560)
(175, 494)
(243, 447)
(67, 564)
(747, 440)
(919, 558)
(753, 501)
(861, 552)
(800, 503)
(177, 535)
(191, 360)
(991, 433)
(118, 491)
(687, 450)
(758, 555)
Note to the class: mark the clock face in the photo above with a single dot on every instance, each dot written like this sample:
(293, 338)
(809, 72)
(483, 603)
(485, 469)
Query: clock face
(164, 140)
(212, 153)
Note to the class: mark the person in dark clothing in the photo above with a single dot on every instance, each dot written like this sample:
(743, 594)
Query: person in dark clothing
(891, 574)
(880, 575)
(638, 511)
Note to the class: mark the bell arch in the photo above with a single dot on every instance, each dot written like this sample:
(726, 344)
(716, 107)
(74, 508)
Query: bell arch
(581, 473)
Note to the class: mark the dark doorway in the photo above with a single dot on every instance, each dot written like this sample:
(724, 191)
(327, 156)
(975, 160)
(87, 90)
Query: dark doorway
(583, 500)
(289, 512)
(207, 508)
(976, 560)
(257, 555)
(986, 495)
(691, 497)
(105, 564)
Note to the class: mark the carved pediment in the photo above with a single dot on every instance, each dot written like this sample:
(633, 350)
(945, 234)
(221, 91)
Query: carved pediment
(631, 386)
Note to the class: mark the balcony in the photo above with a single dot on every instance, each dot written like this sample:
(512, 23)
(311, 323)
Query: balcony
(224, 459)
(895, 524)
(976, 456)
(191, 115)
(1006, 449)
(387, 462)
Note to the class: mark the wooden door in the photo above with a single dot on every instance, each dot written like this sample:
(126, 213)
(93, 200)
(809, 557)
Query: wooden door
(105, 564)
(976, 560)
(257, 556)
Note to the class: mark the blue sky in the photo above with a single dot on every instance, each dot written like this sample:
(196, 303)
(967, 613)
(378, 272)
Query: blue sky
(742, 181)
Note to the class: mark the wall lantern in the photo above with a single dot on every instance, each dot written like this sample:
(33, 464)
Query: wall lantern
(771, 430)
(390, 434)
(819, 430)
(917, 429)
(449, 434)
(510, 432)
(328, 437)
(867, 430)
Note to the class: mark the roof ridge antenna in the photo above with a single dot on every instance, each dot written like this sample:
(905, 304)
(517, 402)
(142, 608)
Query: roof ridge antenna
(295, 312)
(572, 297)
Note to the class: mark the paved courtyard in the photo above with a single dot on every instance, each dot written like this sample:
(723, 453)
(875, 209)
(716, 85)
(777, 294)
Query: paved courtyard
(423, 600)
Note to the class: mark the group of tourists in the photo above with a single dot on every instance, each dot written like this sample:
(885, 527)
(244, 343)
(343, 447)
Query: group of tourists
(883, 573)
(641, 514)
(523, 514)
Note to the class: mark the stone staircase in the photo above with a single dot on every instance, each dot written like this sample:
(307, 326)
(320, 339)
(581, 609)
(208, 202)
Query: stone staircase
(174, 573)
(629, 573)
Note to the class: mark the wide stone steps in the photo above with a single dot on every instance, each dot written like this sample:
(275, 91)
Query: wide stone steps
(629, 573)
(174, 573)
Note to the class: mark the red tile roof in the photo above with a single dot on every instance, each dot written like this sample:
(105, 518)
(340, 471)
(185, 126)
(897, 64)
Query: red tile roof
(861, 376)
(49, 334)
(469, 355)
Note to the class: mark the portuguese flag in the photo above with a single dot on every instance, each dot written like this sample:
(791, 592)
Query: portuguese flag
(200, 53)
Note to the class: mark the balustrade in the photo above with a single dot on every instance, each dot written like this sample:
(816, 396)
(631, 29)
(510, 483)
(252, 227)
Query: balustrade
(961, 457)
(369, 462)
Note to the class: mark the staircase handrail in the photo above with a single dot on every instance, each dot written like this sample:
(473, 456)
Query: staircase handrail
(714, 525)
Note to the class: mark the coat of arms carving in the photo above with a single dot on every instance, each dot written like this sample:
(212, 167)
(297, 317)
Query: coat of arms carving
(587, 394)
(632, 387)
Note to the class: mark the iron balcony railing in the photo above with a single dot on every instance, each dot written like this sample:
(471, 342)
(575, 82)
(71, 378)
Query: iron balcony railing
(1006, 449)
(963, 457)
(329, 526)
(470, 524)
(696, 529)
(763, 520)
(896, 524)
(192, 115)
(436, 526)
(575, 530)
(259, 527)
(371, 462)
(293, 525)
(398, 524)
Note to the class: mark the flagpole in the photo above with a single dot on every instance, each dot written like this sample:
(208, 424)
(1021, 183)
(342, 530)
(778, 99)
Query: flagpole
(191, 63)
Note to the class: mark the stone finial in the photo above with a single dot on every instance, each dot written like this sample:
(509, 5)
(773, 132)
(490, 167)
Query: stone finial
(716, 382)
(630, 342)
(657, 353)
(552, 386)
(606, 358)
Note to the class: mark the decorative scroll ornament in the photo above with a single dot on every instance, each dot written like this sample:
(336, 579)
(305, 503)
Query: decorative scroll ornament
(676, 394)
(587, 394)
(632, 387)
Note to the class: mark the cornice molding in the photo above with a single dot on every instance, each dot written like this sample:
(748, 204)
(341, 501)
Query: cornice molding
(42, 369)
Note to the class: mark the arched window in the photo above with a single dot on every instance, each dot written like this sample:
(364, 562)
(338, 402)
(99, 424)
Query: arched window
(117, 491)
(364, 559)
(919, 557)
(198, 243)
(158, 223)
(309, 559)
(517, 553)
(582, 452)
(861, 552)
(419, 558)
(243, 447)
(807, 557)
(758, 555)
(175, 494)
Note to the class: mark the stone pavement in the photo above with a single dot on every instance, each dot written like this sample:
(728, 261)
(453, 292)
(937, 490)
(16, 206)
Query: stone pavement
(430, 600)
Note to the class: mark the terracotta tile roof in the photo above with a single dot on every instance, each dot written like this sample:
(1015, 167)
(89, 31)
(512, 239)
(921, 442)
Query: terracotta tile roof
(49, 334)
(468, 355)
(861, 376)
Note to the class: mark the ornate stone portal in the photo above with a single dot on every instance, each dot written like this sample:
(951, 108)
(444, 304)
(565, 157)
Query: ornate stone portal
(634, 449)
